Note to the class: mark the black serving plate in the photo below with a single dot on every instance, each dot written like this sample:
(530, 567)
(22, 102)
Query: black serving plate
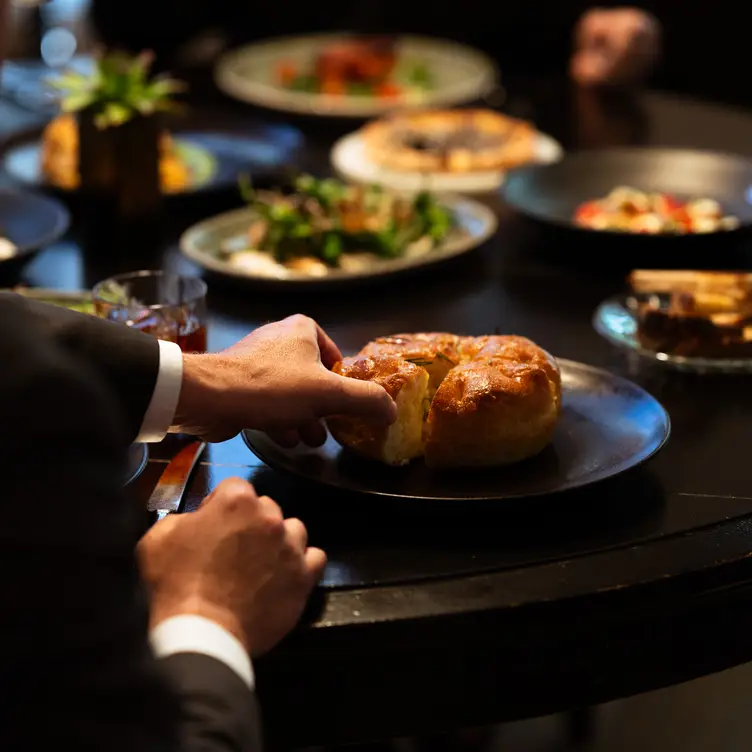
(30, 222)
(550, 194)
(608, 425)
(138, 455)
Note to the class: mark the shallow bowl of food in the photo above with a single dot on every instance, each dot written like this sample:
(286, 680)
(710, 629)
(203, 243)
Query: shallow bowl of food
(650, 207)
(324, 233)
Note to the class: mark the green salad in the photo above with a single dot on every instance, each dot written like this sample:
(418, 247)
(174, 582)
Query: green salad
(327, 220)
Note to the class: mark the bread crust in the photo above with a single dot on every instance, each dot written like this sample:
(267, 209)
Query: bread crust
(493, 400)
(392, 373)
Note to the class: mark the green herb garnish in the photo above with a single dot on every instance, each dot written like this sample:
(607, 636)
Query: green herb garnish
(119, 89)
(426, 408)
(419, 76)
(327, 219)
(308, 84)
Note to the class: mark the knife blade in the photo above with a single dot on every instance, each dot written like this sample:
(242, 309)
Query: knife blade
(168, 494)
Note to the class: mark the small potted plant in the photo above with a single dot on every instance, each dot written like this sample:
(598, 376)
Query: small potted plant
(118, 107)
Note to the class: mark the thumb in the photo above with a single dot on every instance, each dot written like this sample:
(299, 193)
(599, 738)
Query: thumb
(365, 400)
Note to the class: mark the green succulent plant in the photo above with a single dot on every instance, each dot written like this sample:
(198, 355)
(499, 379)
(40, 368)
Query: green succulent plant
(119, 88)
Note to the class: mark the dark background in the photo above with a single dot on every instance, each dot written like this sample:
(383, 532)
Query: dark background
(705, 44)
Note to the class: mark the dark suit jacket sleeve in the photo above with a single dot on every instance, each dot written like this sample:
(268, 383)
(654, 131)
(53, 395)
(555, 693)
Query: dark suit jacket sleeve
(125, 359)
(75, 659)
(219, 712)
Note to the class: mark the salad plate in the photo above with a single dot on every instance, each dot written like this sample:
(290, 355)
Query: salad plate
(325, 232)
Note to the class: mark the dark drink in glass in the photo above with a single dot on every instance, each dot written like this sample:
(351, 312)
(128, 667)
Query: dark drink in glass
(166, 306)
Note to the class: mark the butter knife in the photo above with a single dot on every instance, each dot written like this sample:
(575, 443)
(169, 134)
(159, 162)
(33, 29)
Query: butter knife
(171, 486)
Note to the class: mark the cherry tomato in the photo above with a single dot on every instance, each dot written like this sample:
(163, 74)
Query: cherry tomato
(333, 86)
(286, 73)
(587, 211)
(387, 89)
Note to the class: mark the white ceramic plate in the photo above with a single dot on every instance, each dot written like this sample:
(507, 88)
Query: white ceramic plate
(201, 243)
(461, 74)
(352, 161)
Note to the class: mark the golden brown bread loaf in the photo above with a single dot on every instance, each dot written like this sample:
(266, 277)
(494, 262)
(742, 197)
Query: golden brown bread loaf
(461, 401)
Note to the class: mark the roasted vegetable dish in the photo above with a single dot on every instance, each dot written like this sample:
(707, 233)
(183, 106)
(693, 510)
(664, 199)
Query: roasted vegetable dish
(630, 210)
(358, 66)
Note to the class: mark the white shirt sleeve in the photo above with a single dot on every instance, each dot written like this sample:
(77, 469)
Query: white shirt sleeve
(164, 400)
(196, 634)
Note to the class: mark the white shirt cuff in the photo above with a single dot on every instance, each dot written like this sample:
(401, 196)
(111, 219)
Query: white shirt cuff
(195, 634)
(164, 400)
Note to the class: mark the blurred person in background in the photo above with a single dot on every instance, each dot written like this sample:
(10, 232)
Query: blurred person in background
(617, 45)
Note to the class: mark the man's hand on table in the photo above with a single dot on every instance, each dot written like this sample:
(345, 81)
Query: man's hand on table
(236, 562)
(276, 380)
(615, 46)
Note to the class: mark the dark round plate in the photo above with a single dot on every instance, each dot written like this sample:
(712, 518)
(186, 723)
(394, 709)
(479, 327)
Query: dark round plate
(550, 194)
(215, 159)
(30, 221)
(608, 425)
(138, 456)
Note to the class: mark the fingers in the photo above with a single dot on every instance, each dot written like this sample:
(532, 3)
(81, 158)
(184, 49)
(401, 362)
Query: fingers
(297, 535)
(270, 507)
(355, 398)
(238, 496)
(329, 352)
(315, 563)
(314, 559)
(313, 434)
(231, 488)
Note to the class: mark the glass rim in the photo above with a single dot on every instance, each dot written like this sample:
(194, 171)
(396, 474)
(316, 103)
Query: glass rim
(143, 274)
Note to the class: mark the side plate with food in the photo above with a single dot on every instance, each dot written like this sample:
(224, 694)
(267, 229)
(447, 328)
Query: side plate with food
(458, 151)
(325, 231)
(349, 76)
(689, 320)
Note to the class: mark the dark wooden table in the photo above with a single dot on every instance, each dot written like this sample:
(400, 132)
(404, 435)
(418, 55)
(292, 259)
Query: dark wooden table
(435, 617)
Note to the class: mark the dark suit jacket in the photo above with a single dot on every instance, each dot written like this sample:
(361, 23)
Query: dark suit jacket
(75, 664)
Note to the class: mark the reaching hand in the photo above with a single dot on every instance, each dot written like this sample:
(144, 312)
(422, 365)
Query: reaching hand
(235, 561)
(615, 46)
(276, 380)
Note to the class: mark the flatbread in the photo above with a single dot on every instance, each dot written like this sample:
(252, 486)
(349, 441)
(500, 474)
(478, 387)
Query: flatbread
(449, 141)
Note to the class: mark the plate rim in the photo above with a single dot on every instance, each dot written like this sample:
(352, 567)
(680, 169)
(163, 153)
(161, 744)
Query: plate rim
(229, 82)
(579, 154)
(31, 138)
(492, 180)
(485, 213)
(61, 224)
(678, 362)
(139, 465)
(44, 293)
(593, 480)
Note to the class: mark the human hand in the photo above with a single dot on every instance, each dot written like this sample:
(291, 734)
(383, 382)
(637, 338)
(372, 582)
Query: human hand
(235, 561)
(614, 46)
(277, 380)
